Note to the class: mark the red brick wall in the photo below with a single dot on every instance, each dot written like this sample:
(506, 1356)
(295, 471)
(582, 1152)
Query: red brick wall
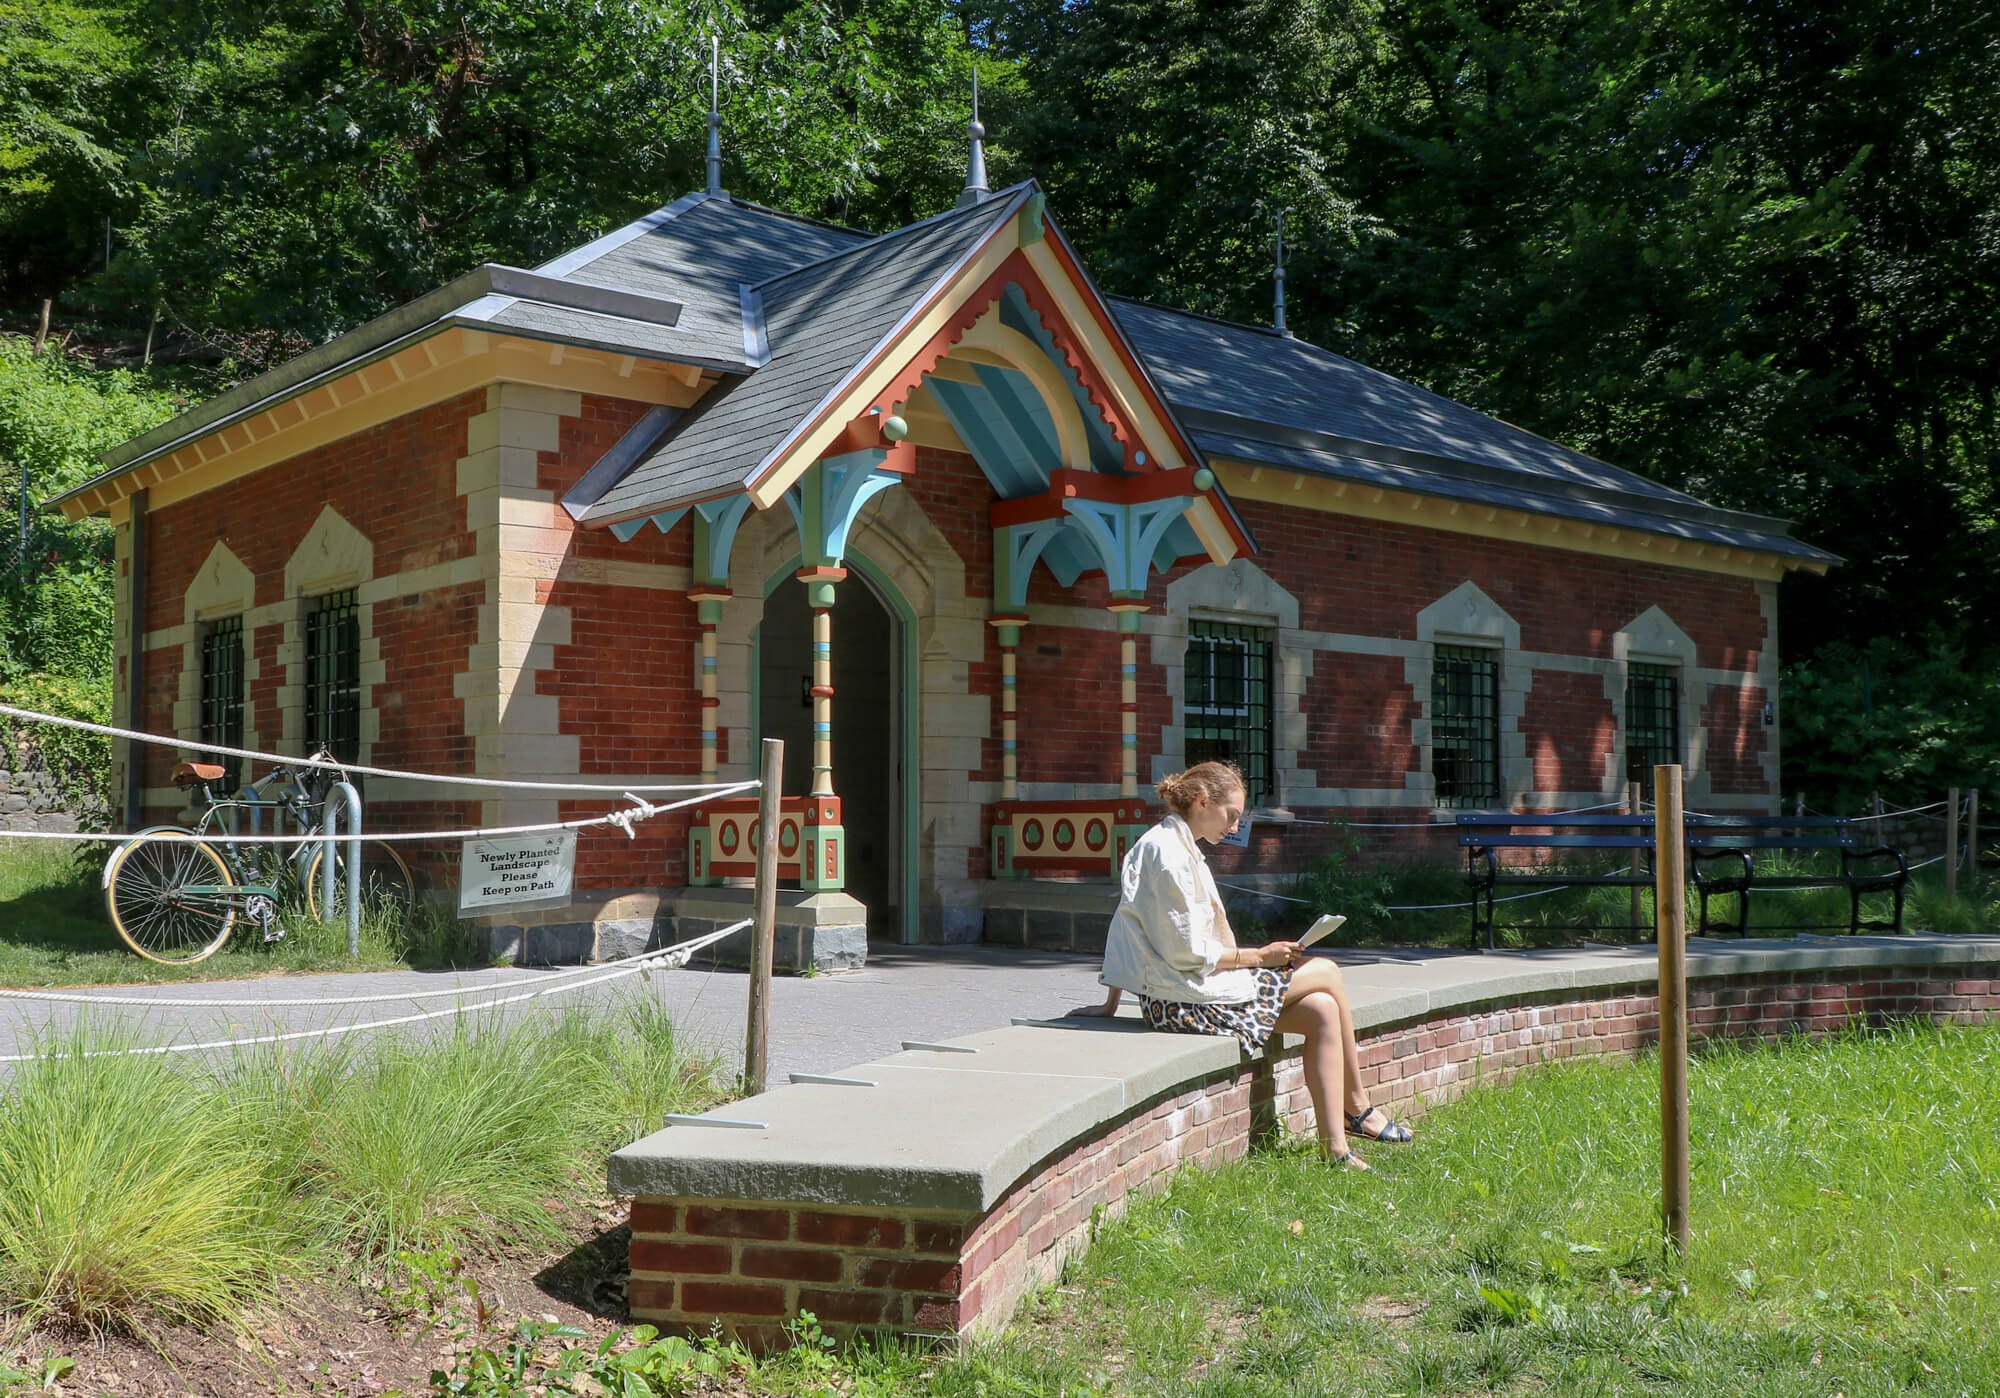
(1569, 725)
(397, 484)
(628, 681)
(752, 1264)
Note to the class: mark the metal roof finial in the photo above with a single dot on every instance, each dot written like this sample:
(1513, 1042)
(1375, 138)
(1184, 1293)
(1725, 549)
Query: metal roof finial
(975, 168)
(715, 115)
(1278, 277)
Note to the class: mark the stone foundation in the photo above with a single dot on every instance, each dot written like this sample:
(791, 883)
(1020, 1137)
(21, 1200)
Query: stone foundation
(815, 932)
(1049, 915)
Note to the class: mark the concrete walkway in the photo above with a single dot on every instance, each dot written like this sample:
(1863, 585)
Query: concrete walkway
(818, 1024)
(825, 1023)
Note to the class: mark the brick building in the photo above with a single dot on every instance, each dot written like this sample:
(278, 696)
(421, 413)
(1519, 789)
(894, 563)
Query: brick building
(989, 549)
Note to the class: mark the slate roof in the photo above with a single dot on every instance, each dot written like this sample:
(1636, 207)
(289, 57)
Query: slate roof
(1252, 394)
(700, 251)
(823, 323)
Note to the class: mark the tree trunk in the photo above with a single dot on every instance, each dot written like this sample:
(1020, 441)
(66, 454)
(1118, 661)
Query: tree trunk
(42, 335)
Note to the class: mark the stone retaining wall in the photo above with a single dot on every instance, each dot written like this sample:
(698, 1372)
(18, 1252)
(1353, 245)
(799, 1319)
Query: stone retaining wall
(751, 1264)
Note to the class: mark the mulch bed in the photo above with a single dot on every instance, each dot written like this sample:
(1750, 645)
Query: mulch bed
(336, 1338)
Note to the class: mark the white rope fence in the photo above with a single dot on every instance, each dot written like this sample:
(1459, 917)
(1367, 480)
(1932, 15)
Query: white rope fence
(159, 740)
(639, 810)
(666, 958)
(1392, 907)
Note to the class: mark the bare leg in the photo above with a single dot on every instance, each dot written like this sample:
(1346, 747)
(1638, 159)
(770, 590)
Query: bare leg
(1318, 1019)
(1317, 976)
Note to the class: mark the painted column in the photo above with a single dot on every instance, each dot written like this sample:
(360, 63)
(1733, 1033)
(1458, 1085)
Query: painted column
(708, 609)
(819, 595)
(822, 860)
(1009, 626)
(1128, 612)
(715, 526)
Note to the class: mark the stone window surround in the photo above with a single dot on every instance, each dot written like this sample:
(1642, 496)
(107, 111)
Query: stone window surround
(1237, 593)
(1653, 638)
(223, 587)
(1466, 616)
(332, 557)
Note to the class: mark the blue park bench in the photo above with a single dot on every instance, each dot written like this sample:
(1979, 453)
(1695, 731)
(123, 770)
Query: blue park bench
(1730, 841)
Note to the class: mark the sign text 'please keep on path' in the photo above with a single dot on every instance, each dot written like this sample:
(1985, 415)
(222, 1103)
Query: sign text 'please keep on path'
(517, 871)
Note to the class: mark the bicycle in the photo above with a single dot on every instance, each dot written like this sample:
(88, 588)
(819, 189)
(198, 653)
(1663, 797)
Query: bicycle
(175, 893)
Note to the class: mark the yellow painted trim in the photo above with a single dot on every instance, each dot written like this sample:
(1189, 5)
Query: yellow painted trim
(442, 367)
(1016, 351)
(1156, 438)
(805, 450)
(1246, 481)
(1208, 527)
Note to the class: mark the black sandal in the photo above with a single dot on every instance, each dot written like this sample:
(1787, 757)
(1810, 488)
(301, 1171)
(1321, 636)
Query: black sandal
(1349, 1160)
(1392, 1130)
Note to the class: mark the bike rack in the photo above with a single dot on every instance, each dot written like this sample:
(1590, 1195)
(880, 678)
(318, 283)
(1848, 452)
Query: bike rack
(352, 801)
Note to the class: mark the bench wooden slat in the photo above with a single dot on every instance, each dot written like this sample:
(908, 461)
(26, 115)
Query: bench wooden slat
(1709, 838)
(1484, 841)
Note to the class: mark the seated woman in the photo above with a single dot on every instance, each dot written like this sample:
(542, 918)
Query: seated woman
(1170, 944)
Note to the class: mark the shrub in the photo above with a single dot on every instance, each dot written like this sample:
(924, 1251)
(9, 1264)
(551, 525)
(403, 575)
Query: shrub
(77, 765)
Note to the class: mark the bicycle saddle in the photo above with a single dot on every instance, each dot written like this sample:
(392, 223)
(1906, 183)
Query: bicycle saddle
(188, 773)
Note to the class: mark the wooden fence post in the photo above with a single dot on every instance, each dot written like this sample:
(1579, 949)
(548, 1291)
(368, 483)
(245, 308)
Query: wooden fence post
(1951, 842)
(764, 919)
(1670, 906)
(1633, 802)
(1972, 841)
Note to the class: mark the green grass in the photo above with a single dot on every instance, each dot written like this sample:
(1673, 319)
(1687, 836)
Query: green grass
(1846, 1239)
(54, 931)
(140, 1186)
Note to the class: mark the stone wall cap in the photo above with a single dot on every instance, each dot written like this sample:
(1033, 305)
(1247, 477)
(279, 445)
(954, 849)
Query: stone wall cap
(953, 1132)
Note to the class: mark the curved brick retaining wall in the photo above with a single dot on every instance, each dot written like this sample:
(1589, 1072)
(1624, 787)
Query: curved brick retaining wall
(931, 1199)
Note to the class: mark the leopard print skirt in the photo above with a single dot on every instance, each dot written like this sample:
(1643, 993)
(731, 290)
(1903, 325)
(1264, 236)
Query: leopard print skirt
(1250, 1022)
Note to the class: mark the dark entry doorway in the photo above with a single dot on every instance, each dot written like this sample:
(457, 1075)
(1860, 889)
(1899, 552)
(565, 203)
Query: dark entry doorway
(866, 711)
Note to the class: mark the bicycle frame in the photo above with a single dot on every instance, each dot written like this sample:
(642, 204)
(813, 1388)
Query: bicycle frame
(218, 825)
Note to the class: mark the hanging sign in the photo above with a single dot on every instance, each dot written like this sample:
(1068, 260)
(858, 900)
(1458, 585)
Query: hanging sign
(516, 871)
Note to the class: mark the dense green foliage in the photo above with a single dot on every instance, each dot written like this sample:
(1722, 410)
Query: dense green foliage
(1749, 249)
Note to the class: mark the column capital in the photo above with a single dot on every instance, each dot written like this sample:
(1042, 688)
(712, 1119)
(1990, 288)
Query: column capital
(709, 593)
(1014, 619)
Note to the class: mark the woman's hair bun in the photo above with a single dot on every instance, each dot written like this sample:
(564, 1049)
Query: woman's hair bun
(1215, 780)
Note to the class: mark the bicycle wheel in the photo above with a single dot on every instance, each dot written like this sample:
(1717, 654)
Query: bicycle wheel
(146, 889)
(387, 889)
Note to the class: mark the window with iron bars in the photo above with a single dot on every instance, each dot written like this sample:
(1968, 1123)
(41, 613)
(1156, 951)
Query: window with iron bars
(1465, 726)
(1652, 722)
(1228, 701)
(222, 690)
(333, 675)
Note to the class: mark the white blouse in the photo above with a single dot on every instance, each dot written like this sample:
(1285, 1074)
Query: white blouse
(1168, 934)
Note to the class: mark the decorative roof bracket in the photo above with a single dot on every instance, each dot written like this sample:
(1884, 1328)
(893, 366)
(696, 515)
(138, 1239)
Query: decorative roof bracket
(715, 526)
(828, 498)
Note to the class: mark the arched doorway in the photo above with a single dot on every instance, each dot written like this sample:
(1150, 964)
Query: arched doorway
(870, 711)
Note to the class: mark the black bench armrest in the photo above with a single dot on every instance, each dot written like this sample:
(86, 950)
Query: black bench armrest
(1886, 878)
(1733, 882)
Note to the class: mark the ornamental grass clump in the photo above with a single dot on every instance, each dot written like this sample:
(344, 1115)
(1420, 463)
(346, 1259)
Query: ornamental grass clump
(137, 1186)
(464, 1136)
(124, 1191)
